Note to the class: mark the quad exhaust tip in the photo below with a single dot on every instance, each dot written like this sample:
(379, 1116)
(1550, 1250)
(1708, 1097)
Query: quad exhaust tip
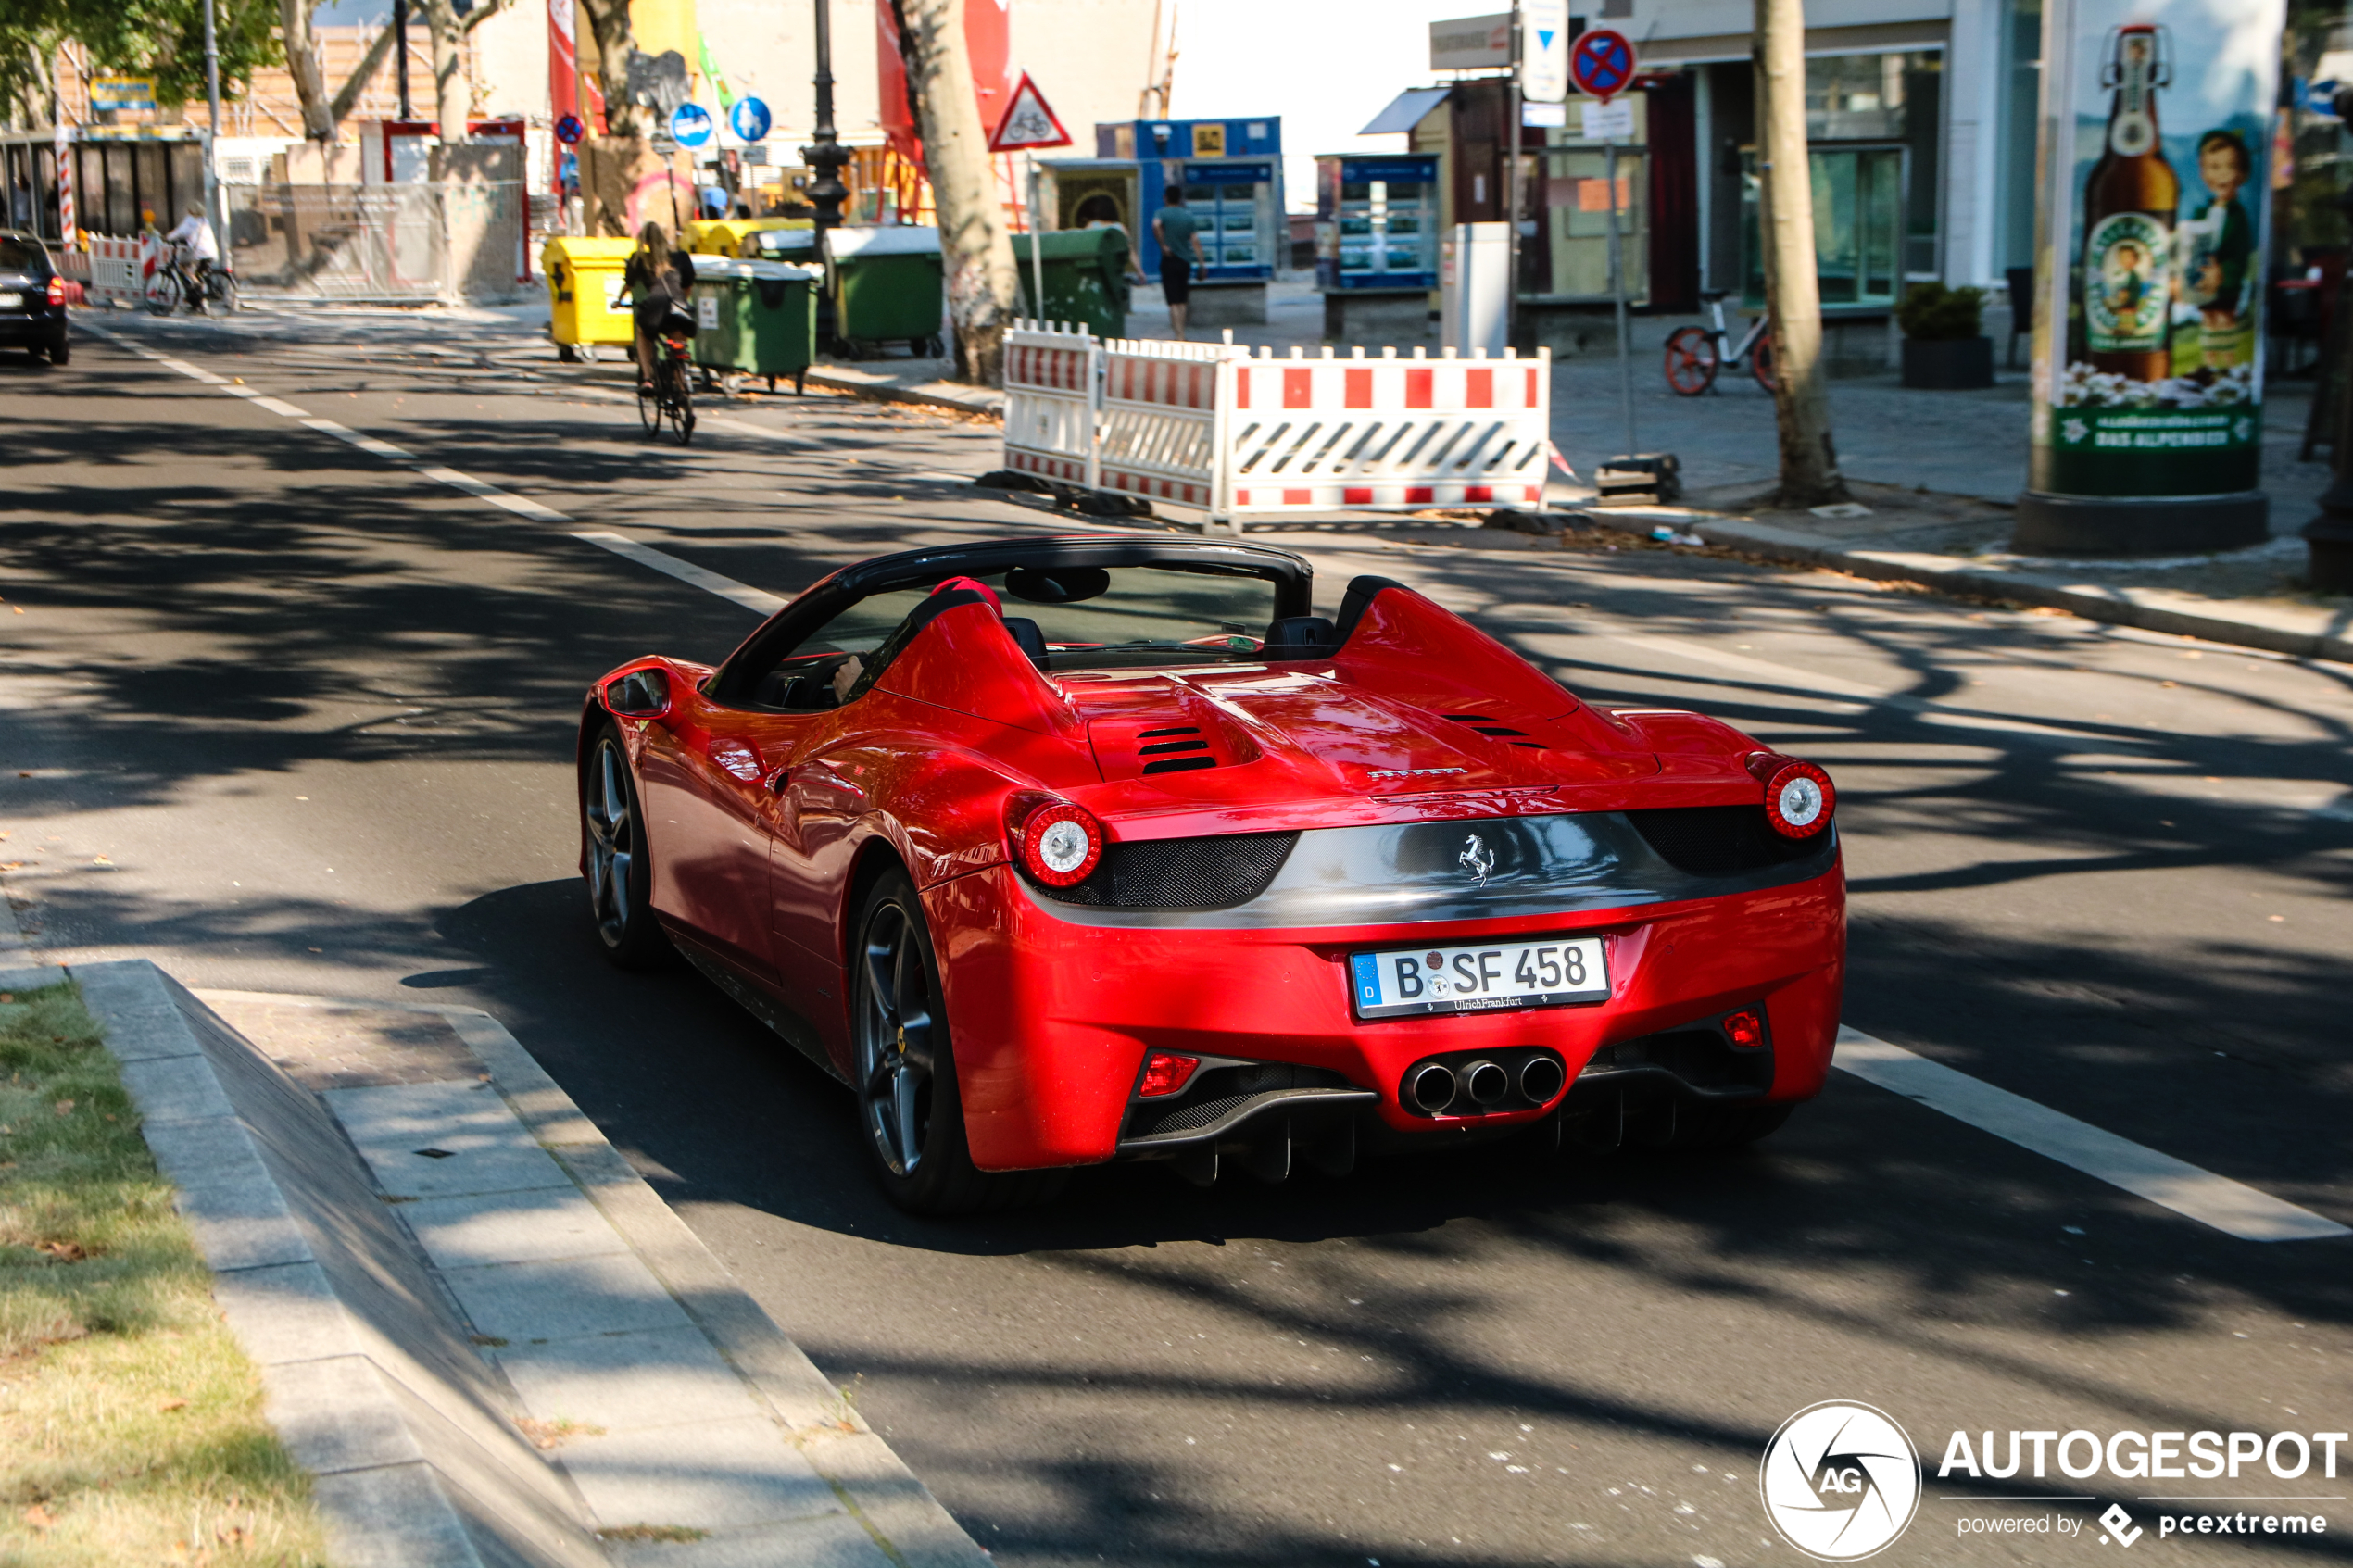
(1486, 1082)
(1432, 1087)
(1540, 1078)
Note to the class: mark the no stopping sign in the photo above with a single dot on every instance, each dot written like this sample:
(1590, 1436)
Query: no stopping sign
(1601, 62)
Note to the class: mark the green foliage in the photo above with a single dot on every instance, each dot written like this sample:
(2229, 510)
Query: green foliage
(159, 38)
(1934, 313)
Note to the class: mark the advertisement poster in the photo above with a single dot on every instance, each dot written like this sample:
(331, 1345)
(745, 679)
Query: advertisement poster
(2157, 186)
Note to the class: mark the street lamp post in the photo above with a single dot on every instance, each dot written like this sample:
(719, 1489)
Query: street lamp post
(400, 52)
(825, 156)
(215, 212)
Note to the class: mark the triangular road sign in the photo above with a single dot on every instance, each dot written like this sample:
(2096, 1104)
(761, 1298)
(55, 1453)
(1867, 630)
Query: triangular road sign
(1028, 122)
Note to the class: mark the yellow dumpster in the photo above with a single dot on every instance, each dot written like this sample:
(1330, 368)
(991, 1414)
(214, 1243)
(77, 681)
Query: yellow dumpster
(726, 236)
(585, 299)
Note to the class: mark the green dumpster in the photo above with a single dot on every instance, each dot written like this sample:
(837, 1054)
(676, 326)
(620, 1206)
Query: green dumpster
(759, 318)
(795, 246)
(886, 287)
(1086, 282)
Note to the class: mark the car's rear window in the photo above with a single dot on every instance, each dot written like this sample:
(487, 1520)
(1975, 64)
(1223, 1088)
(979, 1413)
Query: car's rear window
(21, 256)
(1138, 615)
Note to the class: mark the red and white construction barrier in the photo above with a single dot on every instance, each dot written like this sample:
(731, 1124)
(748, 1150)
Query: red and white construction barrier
(119, 270)
(1212, 426)
(1052, 377)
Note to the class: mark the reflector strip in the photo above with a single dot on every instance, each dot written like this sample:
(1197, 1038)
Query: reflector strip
(2230, 1207)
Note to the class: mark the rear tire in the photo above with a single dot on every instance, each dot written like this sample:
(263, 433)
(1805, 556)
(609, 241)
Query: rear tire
(682, 404)
(60, 350)
(911, 1117)
(616, 865)
(1760, 364)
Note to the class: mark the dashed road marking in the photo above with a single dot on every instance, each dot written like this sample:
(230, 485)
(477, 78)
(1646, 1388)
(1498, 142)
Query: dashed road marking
(2230, 1207)
(710, 582)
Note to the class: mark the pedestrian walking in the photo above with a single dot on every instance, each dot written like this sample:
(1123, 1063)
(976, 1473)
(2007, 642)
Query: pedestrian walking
(1178, 232)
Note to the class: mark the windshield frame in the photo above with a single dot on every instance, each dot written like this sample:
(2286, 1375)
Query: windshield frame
(738, 677)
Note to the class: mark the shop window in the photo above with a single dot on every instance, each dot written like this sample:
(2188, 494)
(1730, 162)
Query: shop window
(1577, 200)
(1859, 238)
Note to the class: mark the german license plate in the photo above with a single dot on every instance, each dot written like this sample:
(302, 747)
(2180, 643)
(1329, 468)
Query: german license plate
(1406, 982)
(11, 300)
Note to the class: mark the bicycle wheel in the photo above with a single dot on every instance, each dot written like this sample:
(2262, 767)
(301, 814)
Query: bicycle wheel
(162, 293)
(1690, 361)
(681, 404)
(650, 404)
(1760, 364)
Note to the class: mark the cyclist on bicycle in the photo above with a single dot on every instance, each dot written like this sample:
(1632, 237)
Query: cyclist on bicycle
(194, 247)
(659, 281)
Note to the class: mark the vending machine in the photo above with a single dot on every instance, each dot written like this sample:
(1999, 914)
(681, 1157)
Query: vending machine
(1376, 222)
(1228, 173)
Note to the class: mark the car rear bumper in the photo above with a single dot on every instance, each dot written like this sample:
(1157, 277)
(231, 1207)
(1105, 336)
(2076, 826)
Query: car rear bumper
(31, 331)
(1052, 1019)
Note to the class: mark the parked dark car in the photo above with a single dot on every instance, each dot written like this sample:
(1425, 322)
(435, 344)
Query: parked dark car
(32, 298)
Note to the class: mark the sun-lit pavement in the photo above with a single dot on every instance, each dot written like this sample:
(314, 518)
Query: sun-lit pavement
(284, 713)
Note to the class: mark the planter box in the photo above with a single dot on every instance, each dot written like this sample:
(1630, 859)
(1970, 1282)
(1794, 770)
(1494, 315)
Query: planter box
(1954, 365)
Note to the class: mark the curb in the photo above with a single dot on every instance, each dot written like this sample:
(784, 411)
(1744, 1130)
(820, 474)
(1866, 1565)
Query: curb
(986, 402)
(2150, 609)
(405, 1428)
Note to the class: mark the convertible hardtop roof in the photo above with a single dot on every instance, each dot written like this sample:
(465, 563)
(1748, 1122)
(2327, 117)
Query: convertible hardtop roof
(1293, 578)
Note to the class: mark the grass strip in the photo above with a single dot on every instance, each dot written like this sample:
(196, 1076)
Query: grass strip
(131, 1424)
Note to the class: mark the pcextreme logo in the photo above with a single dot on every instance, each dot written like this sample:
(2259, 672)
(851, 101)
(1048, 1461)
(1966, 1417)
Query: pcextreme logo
(1841, 1481)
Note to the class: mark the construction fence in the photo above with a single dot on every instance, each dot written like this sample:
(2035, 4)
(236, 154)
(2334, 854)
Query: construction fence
(444, 242)
(1215, 429)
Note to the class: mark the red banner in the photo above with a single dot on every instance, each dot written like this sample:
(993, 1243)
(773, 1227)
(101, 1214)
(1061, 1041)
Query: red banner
(987, 38)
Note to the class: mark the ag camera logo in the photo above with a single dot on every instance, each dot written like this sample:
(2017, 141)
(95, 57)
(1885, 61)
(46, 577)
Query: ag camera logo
(1841, 1481)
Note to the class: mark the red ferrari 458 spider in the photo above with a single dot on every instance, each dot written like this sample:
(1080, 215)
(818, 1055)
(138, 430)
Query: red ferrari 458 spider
(1066, 851)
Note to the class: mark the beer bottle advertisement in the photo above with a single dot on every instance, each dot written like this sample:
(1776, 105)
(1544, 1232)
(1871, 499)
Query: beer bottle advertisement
(2148, 376)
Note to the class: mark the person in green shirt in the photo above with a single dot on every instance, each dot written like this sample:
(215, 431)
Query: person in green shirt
(1178, 232)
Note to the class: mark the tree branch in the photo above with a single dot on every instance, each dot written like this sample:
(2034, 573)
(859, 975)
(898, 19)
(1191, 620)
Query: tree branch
(348, 97)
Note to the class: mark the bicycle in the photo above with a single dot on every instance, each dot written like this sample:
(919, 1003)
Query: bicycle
(1694, 354)
(670, 396)
(199, 285)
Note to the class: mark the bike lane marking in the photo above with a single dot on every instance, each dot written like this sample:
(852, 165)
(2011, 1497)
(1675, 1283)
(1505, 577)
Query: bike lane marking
(2230, 1207)
(710, 582)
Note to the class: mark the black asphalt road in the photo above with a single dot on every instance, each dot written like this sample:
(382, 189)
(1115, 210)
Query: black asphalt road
(286, 715)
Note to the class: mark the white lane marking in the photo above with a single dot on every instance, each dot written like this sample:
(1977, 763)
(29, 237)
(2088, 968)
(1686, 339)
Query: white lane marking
(2230, 1207)
(520, 504)
(710, 582)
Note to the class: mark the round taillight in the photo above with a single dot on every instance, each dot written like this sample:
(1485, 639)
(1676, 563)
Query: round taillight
(1798, 797)
(1061, 845)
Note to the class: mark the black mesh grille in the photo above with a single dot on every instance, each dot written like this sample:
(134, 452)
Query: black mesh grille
(1217, 1090)
(1721, 840)
(1182, 873)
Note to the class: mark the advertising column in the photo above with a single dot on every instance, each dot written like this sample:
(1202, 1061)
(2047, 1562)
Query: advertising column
(2148, 376)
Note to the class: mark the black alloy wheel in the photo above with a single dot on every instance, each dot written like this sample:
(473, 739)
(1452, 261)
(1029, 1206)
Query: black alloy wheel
(618, 870)
(911, 1119)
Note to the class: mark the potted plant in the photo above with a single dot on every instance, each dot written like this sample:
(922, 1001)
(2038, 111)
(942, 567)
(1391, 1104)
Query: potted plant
(1943, 350)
